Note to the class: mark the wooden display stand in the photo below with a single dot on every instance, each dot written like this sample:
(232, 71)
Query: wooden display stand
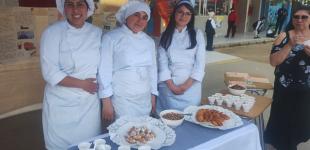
(251, 81)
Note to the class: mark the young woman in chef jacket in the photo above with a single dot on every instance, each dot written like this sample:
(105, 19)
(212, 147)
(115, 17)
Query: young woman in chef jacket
(181, 60)
(70, 55)
(128, 71)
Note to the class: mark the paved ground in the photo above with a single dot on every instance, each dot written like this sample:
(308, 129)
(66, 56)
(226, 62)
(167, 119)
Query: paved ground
(25, 131)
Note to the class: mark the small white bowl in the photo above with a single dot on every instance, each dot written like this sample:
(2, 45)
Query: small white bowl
(171, 123)
(84, 146)
(236, 91)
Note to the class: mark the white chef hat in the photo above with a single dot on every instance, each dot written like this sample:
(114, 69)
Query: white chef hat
(130, 8)
(189, 2)
(61, 5)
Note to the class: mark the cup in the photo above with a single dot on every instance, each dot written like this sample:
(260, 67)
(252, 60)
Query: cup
(229, 102)
(84, 146)
(211, 100)
(98, 142)
(307, 42)
(251, 99)
(247, 107)
(124, 147)
(107, 147)
(219, 101)
(238, 104)
(144, 147)
(103, 147)
(218, 94)
(100, 147)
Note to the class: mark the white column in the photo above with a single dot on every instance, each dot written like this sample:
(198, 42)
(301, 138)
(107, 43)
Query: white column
(199, 9)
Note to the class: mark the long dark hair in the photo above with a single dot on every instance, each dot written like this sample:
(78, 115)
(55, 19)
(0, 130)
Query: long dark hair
(166, 37)
(297, 8)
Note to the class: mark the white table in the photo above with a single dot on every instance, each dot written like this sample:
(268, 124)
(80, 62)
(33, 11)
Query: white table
(245, 138)
(195, 137)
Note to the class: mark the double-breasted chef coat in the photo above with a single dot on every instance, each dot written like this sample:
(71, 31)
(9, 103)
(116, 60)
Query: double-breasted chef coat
(70, 115)
(128, 71)
(179, 63)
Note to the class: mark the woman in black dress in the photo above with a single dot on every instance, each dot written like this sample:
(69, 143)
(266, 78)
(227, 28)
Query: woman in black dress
(289, 122)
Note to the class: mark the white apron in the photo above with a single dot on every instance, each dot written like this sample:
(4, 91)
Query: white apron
(128, 71)
(69, 117)
(132, 92)
(180, 63)
(72, 115)
(168, 100)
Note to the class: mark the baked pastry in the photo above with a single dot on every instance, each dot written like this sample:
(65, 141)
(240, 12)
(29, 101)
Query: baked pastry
(212, 116)
(139, 135)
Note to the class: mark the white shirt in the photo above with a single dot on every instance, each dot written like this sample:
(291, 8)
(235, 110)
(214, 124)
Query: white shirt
(212, 23)
(122, 49)
(63, 52)
(259, 24)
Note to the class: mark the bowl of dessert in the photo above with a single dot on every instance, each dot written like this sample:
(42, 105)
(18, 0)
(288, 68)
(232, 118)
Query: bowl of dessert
(172, 117)
(236, 89)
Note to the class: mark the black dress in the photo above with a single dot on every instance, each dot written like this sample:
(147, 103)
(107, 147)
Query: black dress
(289, 122)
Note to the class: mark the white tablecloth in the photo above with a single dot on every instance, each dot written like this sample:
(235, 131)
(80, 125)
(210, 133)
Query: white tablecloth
(245, 138)
(190, 136)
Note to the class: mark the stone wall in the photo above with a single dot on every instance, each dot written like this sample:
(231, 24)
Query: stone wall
(21, 85)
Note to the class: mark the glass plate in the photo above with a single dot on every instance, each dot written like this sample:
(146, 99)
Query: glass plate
(165, 136)
(233, 121)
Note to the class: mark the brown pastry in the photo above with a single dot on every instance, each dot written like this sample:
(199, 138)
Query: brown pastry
(212, 116)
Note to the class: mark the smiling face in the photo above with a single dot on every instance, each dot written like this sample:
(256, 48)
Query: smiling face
(182, 17)
(76, 12)
(137, 21)
(301, 19)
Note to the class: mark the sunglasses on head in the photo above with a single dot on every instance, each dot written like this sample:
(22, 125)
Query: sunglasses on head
(300, 17)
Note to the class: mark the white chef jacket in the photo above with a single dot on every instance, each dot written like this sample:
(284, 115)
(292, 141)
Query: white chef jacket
(213, 24)
(70, 115)
(179, 63)
(128, 71)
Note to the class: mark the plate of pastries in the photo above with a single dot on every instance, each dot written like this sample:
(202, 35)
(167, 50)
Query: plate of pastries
(139, 131)
(213, 117)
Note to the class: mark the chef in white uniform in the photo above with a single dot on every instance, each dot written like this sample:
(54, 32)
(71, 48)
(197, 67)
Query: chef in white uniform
(181, 60)
(128, 71)
(70, 56)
